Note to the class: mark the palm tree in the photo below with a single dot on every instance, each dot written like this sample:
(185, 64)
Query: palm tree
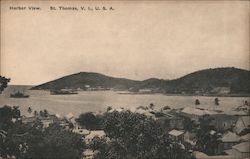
(216, 101)
(46, 113)
(197, 102)
(35, 113)
(29, 110)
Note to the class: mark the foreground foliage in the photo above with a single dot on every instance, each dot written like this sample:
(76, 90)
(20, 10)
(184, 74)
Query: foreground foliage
(32, 141)
(136, 136)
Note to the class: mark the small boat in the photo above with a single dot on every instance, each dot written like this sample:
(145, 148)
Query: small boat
(63, 92)
(19, 95)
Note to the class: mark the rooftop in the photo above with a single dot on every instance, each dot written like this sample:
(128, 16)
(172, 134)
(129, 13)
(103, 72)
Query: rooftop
(199, 112)
(81, 131)
(230, 137)
(98, 133)
(175, 132)
(88, 152)
(245, 120)
(246, 137)
(229, 152)
(243, 147)
(201, 155)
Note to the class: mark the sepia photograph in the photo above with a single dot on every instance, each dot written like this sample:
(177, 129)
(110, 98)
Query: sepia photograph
(123, 79)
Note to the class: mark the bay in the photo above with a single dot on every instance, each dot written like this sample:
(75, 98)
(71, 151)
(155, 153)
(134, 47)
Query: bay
(98, 101)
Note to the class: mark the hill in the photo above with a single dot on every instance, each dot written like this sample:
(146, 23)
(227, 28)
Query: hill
(227, 80)
(84, 79)
(212, 81)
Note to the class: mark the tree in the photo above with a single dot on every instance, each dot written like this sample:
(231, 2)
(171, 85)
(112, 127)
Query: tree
(99, 144)
(32, 142)
(189, 124)
(3, 83)
(29, 110)
(58, 143)
(246, 103)
(45, 113)
(135, 136)
(151, 106)
(90, 121)
(109, 108)
(7, 113)
(206, 141)
(216, 101)
(35, 113)
(197, 102)
(7, 125)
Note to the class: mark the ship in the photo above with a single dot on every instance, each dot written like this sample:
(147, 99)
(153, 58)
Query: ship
(19, 94)
(63, 92)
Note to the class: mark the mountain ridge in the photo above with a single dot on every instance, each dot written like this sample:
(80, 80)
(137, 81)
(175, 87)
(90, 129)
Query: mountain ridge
(205, 81)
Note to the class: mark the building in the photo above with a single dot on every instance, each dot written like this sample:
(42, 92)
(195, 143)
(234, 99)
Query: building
(194, 113)
(190, 138)
(201, 155)
(245, 137)
(83, 132)
(28, 120)
(221, 90)
(50, 119)
(89, 154)
(94, 133)
(242, 125)
(176, 135)
(46, 121)
(176, 122)
(145, 91)
(240, 151)
(228, 140)
(223, 122)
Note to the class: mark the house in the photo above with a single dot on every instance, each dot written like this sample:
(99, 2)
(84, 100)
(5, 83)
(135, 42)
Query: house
(28, 120)
(94, 133)
(176, 122)
(201, 155)
(221, 90)
(82, 132)
(240, 151)
(194, 113)
(242, 125)
(176, 135)
(228, 140)
(223, 122)
(89, 154)
(145, 91)
(190, 137)
(245, 137)
(50, 119)
(116, 110)
(46, 121)
(170, 121)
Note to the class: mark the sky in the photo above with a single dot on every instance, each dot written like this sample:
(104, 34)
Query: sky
(136, 40)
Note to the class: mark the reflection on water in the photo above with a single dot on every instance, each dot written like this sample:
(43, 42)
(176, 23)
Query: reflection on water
(96, 101)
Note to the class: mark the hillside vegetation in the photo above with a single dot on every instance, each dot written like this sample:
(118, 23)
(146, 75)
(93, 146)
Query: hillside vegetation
(209, 81)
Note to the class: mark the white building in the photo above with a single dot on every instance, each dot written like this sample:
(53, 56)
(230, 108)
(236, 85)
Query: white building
(194, 113)
(176, 135)
(94, 133)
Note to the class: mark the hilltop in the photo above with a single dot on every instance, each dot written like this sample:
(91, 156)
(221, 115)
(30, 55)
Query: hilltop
(84, 79)
(228, 80)
(212, 81)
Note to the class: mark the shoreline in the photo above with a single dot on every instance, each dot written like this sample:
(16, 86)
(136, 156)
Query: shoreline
(195, 95)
